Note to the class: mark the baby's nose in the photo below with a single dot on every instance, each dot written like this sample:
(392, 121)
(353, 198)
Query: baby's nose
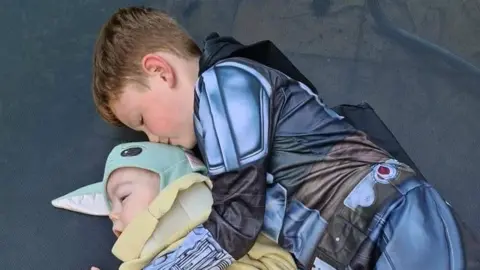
(113, 216)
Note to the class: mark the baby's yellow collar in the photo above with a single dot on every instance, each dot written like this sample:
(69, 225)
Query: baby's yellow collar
(183, 204)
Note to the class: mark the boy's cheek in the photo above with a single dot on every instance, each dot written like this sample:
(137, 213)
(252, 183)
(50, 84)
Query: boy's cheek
(159, 126)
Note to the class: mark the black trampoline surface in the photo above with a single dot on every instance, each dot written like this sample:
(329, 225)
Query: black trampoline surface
(52, 141)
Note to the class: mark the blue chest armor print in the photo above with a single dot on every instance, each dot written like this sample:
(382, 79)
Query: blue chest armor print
(233, 117)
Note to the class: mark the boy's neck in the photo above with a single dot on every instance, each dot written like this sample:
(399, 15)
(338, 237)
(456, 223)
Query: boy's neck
(193, 67)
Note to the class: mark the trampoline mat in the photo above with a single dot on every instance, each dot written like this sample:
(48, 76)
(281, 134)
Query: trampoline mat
(52, 141)
(40, 235)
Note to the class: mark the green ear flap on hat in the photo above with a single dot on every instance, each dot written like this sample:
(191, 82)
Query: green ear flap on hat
(88, 200)
(169, 162)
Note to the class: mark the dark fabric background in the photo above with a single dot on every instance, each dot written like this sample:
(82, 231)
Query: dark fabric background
(52, 141)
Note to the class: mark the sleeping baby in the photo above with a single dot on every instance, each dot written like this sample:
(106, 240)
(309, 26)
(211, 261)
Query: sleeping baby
(155, 194)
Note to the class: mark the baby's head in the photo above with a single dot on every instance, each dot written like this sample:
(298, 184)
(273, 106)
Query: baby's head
(136, 172)
(145, 68)
(134, 175)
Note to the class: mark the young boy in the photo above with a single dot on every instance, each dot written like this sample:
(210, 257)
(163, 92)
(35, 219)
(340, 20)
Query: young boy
(279, 160)
(155, 194)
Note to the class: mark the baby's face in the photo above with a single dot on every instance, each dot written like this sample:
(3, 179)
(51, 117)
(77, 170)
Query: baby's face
(130, 190)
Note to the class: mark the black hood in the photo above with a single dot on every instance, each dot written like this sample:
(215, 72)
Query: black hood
(217, 48)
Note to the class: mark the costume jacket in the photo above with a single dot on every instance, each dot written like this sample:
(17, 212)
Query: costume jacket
(283, 163)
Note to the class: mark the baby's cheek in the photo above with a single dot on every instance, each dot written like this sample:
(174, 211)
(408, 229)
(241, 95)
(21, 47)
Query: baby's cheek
(134, 208)
(129, 214)
(126, 219)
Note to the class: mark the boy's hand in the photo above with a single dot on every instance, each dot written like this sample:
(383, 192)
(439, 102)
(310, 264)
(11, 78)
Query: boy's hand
(94, 268)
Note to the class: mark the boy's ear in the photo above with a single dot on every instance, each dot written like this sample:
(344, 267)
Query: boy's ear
(88, 200)
(155, 65)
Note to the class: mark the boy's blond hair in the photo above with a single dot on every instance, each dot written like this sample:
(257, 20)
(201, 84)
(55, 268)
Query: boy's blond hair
(124, 39)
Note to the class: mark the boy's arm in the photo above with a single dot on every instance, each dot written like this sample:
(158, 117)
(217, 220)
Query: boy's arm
(232, 123)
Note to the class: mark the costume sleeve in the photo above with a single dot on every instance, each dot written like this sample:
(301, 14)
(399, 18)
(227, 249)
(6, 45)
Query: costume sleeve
(232, 124)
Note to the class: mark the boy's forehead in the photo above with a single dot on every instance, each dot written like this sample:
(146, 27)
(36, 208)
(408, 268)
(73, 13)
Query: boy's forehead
(125, 99)
(125, 106)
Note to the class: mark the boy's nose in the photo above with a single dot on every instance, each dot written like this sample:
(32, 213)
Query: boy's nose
(152, 137)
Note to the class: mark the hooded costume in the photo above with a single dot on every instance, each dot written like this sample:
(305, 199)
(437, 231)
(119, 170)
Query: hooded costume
(283, 163)
(184, 201)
